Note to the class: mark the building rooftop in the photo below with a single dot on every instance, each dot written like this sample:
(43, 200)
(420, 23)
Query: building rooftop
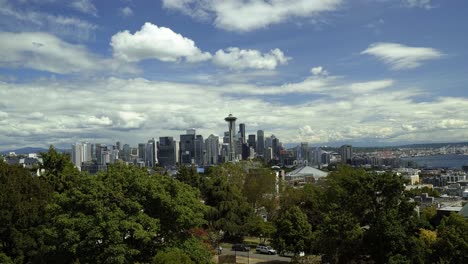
(307, 171)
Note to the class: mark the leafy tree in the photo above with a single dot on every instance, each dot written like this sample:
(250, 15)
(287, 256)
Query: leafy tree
(258, 227)
(59, 170)
(258, 184)
(23, 200)
(120, 216)
(172, 256)
(365, 214)
(189, 175)
(451, 245)
(229, 209)
(293, 232)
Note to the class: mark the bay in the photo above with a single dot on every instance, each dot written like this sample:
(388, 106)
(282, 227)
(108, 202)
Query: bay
(452, 161)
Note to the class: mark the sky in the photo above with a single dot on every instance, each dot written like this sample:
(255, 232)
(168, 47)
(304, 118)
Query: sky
(327, 72)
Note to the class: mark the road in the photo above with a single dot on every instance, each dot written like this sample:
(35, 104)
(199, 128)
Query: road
(255, 257)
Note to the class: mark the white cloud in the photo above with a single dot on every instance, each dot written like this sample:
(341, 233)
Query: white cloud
(239, 59)
(42, 51)
(126, 11)
(400, 57)
(418, 3)
(250, 15)
(46, 52)
(84, 6)
(16, 19)
(153, 42)
(319, 70)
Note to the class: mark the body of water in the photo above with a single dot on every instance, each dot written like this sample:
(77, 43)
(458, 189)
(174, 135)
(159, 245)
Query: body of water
(440, 161)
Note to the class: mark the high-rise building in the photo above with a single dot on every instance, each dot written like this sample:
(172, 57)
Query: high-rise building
(275, 146)
(199, 150)
(242, 133)
(77, 155)
(126, 152)
(212, 150)
(142, 152)
(187, 148)
(151, 153)
(260, 143)
(251, 142)
(303, 152)
(232, 128)
(226, 137)
(346, 152)
(167, 151)
(117, 145)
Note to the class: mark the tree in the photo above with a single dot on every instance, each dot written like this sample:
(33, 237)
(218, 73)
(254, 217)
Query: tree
(23, 201)
(366, 214)
(229, 209)
(172, 256)
(258, 184)
(451, 245)
(59, 170)
(293, 232)
(120, 216)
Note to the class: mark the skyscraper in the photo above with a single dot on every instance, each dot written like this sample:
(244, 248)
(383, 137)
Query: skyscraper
(251, 142)
(346, 152)
(260, 143)
(242, 133)
(212, 150)
(187, 147)
(167, 151)
(199, 150)
(151, 155)
(232, 130)
(77, 155)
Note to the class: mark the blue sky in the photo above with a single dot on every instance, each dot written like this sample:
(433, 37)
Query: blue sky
(364, 72)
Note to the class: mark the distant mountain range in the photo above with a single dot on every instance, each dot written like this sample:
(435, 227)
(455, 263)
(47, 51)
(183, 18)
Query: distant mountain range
(27, 150)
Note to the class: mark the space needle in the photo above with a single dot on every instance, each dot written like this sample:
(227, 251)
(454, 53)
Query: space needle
(232, 130)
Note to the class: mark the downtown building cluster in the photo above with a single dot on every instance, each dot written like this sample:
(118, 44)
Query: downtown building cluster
(189, 149)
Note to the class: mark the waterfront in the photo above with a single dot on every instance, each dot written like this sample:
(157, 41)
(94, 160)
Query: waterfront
(440, 161)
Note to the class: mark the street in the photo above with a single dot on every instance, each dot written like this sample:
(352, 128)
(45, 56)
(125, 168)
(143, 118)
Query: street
(254, 257)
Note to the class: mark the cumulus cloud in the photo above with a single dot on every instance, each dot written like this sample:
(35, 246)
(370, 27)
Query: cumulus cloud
(399, 56)
(331, 110)
(250, 15)
(418, 3)
(153, 42)
(84, 6)
(126, 11)
(239, 59)
(319, 71)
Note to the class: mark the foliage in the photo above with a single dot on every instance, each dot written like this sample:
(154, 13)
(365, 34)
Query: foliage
(23, 200)
(259, 183)
(172, 256)
(293, 232)
(229, 209)
(418, 191)
(451, 245)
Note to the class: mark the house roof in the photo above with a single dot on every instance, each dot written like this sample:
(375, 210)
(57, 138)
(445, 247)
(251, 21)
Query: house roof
(307, 171)
(464, 211)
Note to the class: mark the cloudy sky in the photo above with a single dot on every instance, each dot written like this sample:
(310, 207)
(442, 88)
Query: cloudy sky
(365, 72)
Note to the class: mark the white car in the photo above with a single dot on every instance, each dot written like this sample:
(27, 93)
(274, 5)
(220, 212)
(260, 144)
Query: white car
(291, 254)
(265, 250)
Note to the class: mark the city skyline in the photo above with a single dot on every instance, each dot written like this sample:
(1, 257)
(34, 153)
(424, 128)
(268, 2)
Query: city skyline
(333, 72)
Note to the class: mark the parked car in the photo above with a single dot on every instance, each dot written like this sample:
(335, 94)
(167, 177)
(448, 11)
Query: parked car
(240, 247)
(292, 254)
(265, 250)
